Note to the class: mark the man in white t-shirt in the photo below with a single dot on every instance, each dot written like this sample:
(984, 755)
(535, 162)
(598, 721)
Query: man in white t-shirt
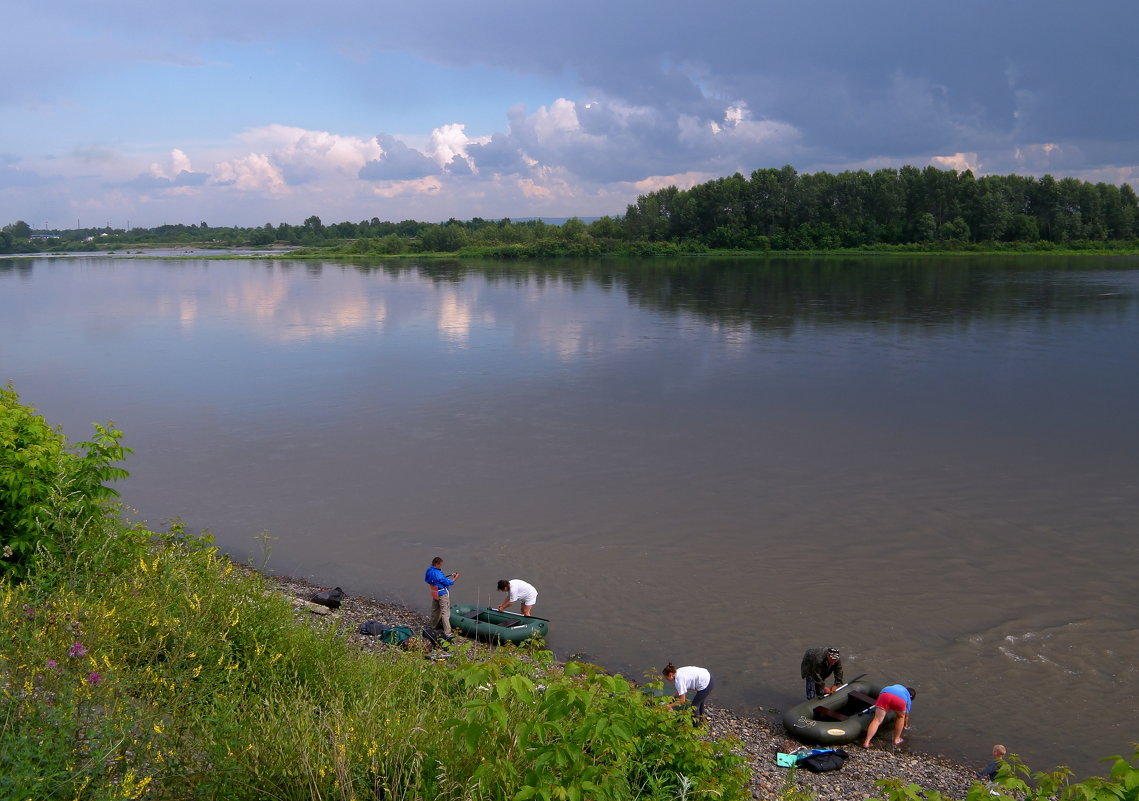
(518, 590)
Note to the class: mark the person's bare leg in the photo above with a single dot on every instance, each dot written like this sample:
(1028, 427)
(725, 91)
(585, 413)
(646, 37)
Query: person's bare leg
(899, 724)
(526, 609)
(879, 714)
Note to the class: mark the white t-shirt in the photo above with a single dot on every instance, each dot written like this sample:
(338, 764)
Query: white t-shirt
(521, 591)
(691, 678)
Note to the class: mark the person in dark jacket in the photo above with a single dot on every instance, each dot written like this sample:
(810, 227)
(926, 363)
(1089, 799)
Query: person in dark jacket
(990, 771)
(818, 663)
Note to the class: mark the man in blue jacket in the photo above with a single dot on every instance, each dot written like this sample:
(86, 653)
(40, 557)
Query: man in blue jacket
(440, 596)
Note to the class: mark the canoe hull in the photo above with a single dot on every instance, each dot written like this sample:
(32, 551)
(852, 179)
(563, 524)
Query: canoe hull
(804, 724)
(488, 624)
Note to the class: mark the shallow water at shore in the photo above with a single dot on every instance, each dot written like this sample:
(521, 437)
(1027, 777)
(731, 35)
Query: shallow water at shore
(928, 464)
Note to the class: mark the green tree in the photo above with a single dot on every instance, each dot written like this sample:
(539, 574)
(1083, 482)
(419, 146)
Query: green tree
(925, 229)
(956, 230)
(573, 230)
(446, 238)
(993, 214)
(1023, 228)
(1044, 202)
(19, 230)
(49, 493)
(260, 237)
(605, 228)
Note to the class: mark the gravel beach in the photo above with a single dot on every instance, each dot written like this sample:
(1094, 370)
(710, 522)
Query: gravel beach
(761, 736)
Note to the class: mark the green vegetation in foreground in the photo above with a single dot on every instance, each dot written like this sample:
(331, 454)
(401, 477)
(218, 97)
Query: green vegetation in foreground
(1015, 782)
(140, 664)
(137, 664)
(772, 210)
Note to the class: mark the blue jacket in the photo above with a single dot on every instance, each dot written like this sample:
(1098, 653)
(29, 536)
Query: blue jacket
(438, 578)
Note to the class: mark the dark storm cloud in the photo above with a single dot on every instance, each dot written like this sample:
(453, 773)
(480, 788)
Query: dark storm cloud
(398, 163)
(877, 77)
(604, 93)
(500, 155)
(857, 79)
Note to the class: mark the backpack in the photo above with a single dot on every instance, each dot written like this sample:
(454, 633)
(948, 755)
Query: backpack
(396, 635)
(823, 761)
(393, 635)
(432, 638)
(330, 598)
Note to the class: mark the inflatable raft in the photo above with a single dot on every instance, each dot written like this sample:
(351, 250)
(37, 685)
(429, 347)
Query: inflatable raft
(487, 623)
(836, 719)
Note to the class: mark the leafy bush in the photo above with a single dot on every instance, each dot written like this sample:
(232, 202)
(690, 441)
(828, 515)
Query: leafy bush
(49, 494)
(1015, 782)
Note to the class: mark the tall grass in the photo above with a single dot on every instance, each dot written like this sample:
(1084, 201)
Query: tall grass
(179, 675)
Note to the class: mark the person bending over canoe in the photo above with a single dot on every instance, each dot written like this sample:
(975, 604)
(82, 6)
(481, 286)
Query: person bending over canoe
(518, 590)
(689, 679)
(894, 698)
(818, 663)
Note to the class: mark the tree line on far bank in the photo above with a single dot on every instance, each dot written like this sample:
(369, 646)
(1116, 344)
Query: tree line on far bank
(770, 210)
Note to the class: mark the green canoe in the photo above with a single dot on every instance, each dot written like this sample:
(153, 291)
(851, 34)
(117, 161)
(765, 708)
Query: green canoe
(487, 623)
(836, 719)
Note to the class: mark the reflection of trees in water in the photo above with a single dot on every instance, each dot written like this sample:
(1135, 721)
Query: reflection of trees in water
(779, 294)
(22, 267)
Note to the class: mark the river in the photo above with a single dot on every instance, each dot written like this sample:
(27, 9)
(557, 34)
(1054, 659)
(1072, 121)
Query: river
(929, 463)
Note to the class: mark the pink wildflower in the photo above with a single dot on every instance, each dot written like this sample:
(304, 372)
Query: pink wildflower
(77, 650)
(93, 679)
(51, 663)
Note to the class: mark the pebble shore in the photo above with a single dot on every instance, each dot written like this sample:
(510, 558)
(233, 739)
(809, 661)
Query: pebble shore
(761, 736)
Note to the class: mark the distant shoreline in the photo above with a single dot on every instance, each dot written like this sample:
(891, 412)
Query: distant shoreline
(201, 251)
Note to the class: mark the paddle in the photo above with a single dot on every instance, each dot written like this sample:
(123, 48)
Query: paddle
(845, 683)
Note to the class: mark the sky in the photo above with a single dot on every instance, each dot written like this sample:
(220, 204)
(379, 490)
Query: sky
(245, 112)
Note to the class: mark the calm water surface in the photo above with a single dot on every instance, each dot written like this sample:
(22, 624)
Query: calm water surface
(932, 465)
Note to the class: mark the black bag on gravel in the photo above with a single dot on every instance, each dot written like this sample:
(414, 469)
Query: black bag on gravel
(823, 762)
(330, 598)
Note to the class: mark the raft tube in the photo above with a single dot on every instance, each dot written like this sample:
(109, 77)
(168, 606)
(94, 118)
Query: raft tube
(489, 624)
(836, 719)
